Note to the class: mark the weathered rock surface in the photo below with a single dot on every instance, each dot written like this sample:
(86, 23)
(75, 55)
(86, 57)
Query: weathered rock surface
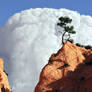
(4, 85)
(69, 70)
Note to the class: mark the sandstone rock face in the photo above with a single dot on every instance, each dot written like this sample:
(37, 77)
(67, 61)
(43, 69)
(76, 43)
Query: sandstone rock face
(4, 85)
(69, 70)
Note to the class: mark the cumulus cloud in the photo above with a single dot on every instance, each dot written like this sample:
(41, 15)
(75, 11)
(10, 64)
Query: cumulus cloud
(28, 39)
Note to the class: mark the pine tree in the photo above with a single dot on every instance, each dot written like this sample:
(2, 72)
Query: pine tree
(67, 29)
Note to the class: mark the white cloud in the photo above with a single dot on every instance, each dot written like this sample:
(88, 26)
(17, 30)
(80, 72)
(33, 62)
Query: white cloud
(28, 39)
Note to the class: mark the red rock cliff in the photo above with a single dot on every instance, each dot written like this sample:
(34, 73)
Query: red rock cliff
(69, 70)
(4, 85)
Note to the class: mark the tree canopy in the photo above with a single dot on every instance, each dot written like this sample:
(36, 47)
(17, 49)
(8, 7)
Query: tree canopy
(67, 29)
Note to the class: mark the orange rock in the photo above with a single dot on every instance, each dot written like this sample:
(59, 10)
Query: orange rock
(69, 70)
(1, 64)
(4, 85)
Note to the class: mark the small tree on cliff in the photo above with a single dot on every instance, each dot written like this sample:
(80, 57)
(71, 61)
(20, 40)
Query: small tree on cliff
(67, 29)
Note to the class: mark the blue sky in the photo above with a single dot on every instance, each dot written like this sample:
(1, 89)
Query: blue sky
(9, 7)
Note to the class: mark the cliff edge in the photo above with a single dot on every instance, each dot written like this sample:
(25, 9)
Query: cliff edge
(69, 70)
(4, 85)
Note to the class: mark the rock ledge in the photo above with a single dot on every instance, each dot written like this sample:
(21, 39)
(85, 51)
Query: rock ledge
(69, 70)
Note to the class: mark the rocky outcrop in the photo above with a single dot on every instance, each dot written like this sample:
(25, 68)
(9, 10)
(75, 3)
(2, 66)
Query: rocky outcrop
(69, 70)
(4, 85)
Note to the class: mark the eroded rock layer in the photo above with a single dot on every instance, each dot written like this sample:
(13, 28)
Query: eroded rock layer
(69, 70)
(4, 85)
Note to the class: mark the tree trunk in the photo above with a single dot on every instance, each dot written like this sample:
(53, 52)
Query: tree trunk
(63, 38)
